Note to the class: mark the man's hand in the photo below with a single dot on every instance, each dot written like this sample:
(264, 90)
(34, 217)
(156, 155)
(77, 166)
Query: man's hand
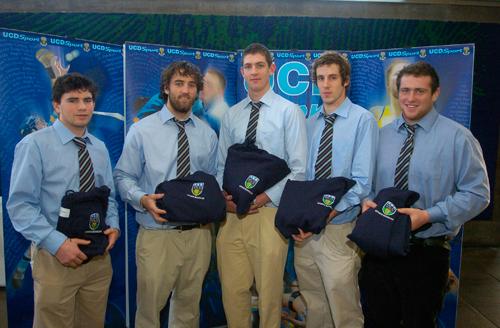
(260, 200)
(149, 203)
(366, 205)
(418, 217)
(230, 205)
(302, 236)
(69, 254)
(333, 214)
(113, 235)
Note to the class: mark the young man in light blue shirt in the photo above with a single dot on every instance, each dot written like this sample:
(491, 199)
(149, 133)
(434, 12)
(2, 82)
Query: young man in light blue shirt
(170, 257)
(250, 246)
(446, 167)
(46, 165)
(327, 264)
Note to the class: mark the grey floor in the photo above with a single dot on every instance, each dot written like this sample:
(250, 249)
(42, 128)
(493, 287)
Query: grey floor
(479, 301)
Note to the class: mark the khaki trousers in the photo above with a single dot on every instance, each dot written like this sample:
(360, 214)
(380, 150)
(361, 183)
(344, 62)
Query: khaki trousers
(327, 267)
(171, 261)
(67, 297)
(251, 247)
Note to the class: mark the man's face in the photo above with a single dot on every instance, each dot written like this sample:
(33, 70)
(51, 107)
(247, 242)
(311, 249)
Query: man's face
(416, 98)
(392, 87)
(211, 89)
(181, 93)
(75, 109)
(257, 72)
(331, 88)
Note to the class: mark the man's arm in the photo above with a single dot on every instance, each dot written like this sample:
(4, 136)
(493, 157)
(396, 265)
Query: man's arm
(129, 170)
(23, 203)
(295, 151)
(472, 194)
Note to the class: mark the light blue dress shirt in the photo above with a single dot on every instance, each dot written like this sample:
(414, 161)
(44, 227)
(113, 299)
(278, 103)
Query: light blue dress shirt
(150, 157)
(45, 167)
(447, 169)
(281, 131)
(354, 147)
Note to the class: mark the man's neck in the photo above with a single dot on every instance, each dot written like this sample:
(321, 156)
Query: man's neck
(256, 96)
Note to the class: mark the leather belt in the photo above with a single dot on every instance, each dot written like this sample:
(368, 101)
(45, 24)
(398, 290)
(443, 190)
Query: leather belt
(187, 227)
(441, 241)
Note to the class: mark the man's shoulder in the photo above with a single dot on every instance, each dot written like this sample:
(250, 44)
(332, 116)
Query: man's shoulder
(147, 122)
(39, 136)
(96, 142)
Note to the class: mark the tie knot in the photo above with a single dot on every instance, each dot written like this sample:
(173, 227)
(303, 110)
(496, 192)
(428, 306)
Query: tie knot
(256, 105)
(330, 119)
(180, 124)
(80, 142)
(410, 128)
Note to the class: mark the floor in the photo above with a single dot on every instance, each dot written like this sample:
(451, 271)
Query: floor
(479, 301)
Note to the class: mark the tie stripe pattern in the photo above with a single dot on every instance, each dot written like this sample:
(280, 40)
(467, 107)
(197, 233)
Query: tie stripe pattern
(323, 167)
(87, 182)
(183, 163)
(403, 164)
(254, 120)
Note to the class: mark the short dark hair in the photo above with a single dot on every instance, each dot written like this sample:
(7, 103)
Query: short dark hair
(183, 68)
(257, 48)
(419, 69)
(72, 82)
(219, 76)
(329, 58)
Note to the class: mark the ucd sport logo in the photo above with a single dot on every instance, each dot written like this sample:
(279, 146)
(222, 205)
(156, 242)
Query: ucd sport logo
(423, 53)
(86, 47)
(197, 188)
(382, 56)
(161, 52)
(251, 181)
(198, 55)
(43, 41)
(94, 221)
(389, 208)
(328, 199)
(231, 58)
(466, 51)
(308, 56)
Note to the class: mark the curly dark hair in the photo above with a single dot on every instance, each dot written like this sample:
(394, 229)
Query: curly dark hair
(183, 68)
(71, 82)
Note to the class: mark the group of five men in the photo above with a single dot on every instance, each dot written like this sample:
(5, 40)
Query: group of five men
(445, 166)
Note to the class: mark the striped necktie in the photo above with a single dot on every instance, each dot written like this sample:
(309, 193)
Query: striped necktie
(183, 163)
(323, 167)
(403, 165)
(252, 123)
(87, 182)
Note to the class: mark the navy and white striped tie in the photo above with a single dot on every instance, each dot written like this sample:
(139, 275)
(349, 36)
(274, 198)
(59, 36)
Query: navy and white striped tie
(403, 164)
(183, 162)
(323, 167)
(87, 180)
(253, 121)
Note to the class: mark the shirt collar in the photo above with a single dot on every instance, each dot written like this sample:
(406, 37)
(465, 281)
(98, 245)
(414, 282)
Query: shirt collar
(425, 123)
(342, 111)
(65, 135)
(167, 115)
(267, 99)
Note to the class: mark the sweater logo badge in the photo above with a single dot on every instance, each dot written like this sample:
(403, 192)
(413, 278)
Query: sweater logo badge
(251, 181)
(328, 199)
(197, 188)
(94, 221)
(389, 208)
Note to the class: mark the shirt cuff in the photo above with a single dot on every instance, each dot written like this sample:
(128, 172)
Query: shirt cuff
(53, 241)
(435, 214)
(274, 193)
(136, 201)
